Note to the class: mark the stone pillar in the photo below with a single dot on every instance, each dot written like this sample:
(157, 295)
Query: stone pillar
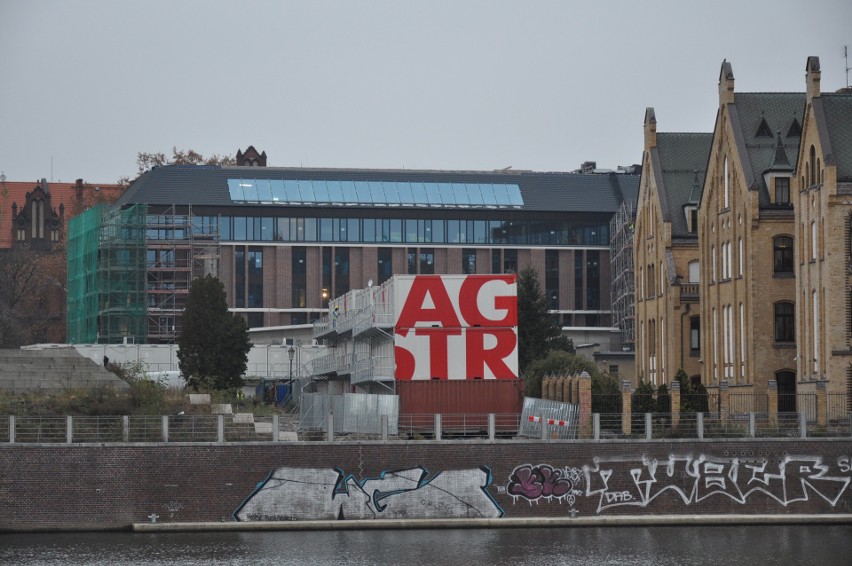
(545, 387)
(724, 400)
(674, 395)
(276, 427)
(165, 428)
(772, 402)
(559, 385)
(568, 389)
(822, 404)
(626, 407)
(585, 402)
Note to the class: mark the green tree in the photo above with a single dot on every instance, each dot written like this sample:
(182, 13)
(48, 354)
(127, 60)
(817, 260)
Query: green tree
(214, 343)
(538, 329)
(560, 362)
(693, 397)
(146, 161)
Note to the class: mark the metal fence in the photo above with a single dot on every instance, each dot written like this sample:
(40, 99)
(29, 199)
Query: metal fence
(542, 418)
(354, 413)
(240, 427)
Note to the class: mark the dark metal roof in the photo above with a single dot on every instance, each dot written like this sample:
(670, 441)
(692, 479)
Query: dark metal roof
(837, 109)
(681, 155)
(207, 185)
(777, 110)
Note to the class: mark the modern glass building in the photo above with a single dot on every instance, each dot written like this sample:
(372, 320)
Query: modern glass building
(286, 240)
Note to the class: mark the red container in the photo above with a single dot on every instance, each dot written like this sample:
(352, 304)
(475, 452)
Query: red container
(464, 404)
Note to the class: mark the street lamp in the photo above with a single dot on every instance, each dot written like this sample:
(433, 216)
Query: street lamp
(290, 353)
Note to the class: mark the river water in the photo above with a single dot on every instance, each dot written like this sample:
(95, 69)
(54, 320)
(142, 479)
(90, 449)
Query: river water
(636, 546)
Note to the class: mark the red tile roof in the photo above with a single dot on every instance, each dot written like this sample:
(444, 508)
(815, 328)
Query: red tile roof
(60, 193)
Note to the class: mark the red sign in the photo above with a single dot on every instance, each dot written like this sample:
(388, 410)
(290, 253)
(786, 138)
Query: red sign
(456, 327)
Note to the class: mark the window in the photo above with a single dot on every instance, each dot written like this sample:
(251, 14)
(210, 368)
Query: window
(255, 278)
(427, 261)
(813, 240)
(468, 261)
(551, 278)
(784, 328)
(240, 278)
(782, 190)
(727, 200)
(510, 261)
(298, 267)
(713, 264)
(385, 264)
(812, 167)
(652, 285)
(593, 280)
(694, 271)
(741, 258)
(694, 335)
(783, 254)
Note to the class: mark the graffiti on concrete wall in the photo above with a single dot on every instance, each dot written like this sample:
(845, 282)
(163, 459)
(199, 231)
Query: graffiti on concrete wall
(637, 482)
(544, 483)
(301, 494)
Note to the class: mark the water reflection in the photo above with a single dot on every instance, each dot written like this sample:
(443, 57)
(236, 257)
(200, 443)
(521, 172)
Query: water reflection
(825, 545)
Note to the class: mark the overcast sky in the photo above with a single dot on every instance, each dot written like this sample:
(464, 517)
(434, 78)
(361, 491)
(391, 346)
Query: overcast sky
(85, 85)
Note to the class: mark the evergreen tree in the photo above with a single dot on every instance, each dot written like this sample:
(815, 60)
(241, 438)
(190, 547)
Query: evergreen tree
(213, 344)
(538, 330)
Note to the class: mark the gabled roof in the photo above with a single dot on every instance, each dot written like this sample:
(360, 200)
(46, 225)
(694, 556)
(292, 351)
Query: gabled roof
(682, 157)
(60, 194)
(207, 185)
(778, 110)
(837, 110)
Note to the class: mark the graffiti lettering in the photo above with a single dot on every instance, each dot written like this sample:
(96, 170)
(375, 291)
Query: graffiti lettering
(630, 482)
(299, 494)
(544, 482)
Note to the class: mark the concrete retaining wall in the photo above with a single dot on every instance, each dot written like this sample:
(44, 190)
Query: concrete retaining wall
(71, 487)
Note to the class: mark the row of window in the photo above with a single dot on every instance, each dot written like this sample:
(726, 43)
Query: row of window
(380, 230)
(335, 269)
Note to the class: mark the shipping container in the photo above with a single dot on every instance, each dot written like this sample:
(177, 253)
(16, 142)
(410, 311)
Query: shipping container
(464, 405)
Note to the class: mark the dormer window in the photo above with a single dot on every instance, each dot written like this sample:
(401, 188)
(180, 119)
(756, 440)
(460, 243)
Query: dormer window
(691, 213)
(782, 191)
(763, 130)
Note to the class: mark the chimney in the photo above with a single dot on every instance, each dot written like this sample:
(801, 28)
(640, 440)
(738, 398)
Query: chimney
(726, 84)
(650, 128)
(812, 75)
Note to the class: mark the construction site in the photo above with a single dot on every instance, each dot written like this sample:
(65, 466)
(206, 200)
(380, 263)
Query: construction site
(129, 272)
(621, 258)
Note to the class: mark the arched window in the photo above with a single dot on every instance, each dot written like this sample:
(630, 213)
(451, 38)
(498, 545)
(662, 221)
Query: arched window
(782, 247)
(784, 322)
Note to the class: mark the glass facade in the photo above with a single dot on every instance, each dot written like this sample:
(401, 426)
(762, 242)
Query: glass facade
(374, 193)
(407, 231)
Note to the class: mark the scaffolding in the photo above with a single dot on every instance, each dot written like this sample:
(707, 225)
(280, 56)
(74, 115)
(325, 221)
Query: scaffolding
(106, 275)
(621, 260)
(181, 246)
(129, 272)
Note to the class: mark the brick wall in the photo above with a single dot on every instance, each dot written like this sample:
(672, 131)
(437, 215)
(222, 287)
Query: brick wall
(46, 487)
